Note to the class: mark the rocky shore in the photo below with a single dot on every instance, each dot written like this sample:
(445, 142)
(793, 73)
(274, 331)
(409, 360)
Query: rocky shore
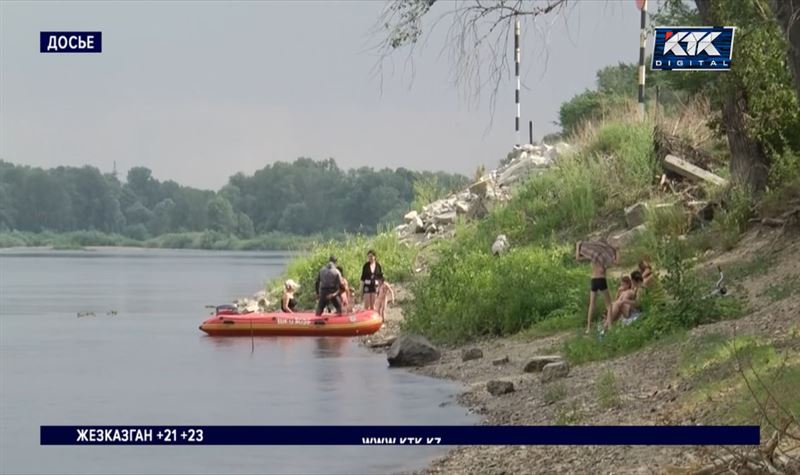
(507, 382)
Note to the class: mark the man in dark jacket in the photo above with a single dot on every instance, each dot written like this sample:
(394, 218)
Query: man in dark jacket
(328, 286)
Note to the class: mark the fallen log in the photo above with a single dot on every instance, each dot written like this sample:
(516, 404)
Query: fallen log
(693, 172)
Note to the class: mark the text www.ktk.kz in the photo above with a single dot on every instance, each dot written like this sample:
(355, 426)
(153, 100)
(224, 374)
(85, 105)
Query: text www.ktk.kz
(401, 440)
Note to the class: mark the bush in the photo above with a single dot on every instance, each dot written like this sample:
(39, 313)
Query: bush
(469, 294)
(732, 221)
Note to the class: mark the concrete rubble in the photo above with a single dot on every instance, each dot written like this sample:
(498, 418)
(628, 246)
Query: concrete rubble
(438, 219)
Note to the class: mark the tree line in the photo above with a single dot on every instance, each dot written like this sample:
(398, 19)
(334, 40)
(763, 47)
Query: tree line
(303, 197)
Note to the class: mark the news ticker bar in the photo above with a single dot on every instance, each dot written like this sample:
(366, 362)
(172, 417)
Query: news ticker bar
(399, 435)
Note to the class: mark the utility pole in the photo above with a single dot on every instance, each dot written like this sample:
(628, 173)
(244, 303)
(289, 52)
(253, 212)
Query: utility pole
(642, 4)
(516, 69)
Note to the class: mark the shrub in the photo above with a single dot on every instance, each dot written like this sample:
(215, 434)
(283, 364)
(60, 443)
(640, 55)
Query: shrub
(468, 294)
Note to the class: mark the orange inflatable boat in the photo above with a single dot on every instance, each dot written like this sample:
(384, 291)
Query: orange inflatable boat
(228, 322)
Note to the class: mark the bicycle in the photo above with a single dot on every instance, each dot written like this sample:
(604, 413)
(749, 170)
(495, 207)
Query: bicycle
(719, 287)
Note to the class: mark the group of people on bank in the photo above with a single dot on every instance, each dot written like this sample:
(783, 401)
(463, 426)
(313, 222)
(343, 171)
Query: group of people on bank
(333, 291)
(627, 304)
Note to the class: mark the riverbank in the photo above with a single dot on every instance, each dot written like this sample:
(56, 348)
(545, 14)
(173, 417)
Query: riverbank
(660, 384)
(205, 240)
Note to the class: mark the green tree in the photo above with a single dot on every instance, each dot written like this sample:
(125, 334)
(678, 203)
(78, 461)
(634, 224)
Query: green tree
(220, 215)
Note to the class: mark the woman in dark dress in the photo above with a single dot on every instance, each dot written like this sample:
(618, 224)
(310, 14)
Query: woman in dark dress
(288, 302)
(371, 279)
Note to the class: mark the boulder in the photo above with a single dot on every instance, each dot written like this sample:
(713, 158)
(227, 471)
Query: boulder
(448, 217)
(462, 208)
(562, 148)
(417, 225)
(500, 361)
(553, 371)
(410, 216)
(401, 230)
(538, 363)
(412, 350)
(623, 239)
(521, 169)
(497, 388)
(500, 245)
(480, 188)
(471, 354)
(635, 214)
(431, 229)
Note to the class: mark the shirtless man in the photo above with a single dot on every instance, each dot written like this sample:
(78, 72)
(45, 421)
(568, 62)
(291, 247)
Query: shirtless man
(597, 284)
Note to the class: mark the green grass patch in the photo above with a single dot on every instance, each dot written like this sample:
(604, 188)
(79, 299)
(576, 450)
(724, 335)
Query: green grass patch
(553, 325)
(568, 414)
(469, 293)
(720, 369)
(616, 168)
(606, 391)
(554, 392)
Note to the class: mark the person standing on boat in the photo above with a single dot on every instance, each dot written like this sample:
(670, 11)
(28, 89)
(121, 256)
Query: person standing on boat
(371, 280)
(329, 283)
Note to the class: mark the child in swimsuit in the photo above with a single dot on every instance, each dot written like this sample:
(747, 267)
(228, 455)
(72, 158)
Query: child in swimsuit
(345, 292)
(384, 292)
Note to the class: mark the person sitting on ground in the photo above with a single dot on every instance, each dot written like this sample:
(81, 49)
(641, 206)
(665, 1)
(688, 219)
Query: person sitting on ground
(602, 256)
(647, 272)
(624, 285)
(288, 302)
(385, 292)
(328, 287)
(629, 304)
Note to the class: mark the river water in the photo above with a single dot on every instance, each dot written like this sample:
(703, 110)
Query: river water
(150, 365)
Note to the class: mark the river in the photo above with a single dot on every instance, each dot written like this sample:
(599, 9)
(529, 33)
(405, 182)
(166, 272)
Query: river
(140, 359)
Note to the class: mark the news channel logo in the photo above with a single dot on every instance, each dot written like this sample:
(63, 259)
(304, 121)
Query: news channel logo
(686, 48)
(70, 42)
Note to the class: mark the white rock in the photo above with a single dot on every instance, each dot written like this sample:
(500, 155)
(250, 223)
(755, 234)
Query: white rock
(410, 216)
(448, 217)
(500, 245)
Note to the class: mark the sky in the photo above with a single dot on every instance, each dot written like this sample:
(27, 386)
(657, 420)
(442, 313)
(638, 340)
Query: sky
(199, 91)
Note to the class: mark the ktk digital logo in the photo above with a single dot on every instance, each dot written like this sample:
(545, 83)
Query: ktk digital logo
(681, 48)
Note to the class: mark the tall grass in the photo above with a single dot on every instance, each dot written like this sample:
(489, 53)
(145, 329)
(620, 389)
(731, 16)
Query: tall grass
(614, 167)
(469, 294)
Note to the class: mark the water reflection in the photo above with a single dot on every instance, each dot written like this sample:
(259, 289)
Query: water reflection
(330, 346)
(179, 375)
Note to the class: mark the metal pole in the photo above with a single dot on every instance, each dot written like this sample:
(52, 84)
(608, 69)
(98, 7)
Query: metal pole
(516, 66)
(656, 113)
(642, 42)
(530, 132)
